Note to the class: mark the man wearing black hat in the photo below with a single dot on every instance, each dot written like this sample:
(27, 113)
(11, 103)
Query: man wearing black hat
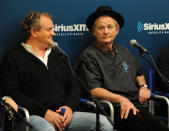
(113, 73)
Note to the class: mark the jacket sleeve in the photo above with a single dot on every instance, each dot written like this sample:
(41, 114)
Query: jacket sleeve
(88, 71)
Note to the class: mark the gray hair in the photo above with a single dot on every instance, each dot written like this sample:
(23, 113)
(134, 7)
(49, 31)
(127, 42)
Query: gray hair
(32, 21)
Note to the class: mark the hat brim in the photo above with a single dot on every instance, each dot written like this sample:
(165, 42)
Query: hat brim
(92, 18)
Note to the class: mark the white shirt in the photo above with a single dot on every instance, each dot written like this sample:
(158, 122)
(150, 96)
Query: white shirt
(30, 49)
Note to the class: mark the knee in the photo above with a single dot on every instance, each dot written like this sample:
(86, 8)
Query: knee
(105, 125)
(85, 121)
(40, 124)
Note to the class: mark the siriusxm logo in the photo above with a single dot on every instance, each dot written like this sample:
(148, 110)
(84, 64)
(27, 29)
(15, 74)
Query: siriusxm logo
(70, 28)
(152, 27)
(140, 26)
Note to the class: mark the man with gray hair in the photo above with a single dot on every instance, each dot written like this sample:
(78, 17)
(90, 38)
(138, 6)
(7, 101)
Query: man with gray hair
(37, 78)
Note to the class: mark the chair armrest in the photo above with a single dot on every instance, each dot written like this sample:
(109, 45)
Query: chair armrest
(110, 105)
(162, 97)
(26, 115)
(159, 97)
(88, 102)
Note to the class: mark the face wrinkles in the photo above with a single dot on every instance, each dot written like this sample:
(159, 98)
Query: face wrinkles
(105, 29)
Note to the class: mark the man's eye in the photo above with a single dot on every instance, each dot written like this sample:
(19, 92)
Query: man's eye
(49, 29)
(100, 28)
(110, 27)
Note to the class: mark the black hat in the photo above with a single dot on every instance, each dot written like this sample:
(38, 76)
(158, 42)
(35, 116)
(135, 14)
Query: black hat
(101, 11)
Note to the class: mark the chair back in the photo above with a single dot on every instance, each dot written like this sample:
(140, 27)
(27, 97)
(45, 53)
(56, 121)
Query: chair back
(153, 83)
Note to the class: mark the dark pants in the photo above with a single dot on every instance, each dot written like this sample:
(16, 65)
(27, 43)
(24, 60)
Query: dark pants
(8, 124)
(143, 121)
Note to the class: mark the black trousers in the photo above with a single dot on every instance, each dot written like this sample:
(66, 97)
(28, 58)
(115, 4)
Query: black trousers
(143, 121)
(7, 124)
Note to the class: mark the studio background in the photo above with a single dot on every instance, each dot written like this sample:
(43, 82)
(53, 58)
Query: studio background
(147, 21)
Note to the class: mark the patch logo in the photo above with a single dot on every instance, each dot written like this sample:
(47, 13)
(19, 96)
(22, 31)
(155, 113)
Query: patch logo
(125, 66)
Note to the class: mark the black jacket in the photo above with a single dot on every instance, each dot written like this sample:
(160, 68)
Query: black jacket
(34, 86)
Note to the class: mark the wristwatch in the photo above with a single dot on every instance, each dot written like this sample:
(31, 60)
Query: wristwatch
(145, 85)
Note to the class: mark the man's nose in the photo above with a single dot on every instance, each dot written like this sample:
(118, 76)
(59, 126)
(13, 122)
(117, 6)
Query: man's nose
(53, 33)
(106, 30)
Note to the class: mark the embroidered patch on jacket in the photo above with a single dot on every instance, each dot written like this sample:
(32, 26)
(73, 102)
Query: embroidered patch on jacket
(125, 66)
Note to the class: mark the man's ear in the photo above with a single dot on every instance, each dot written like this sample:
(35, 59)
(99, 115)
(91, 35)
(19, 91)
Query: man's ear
(33, 32)
(94, 33)
(117, 30)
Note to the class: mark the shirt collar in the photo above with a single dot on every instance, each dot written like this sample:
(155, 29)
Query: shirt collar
(104, 48)
(30, 49)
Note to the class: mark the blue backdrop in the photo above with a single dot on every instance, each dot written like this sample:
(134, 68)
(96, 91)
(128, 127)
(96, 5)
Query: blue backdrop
(147, 21)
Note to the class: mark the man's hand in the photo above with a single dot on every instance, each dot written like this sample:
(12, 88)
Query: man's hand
(144, 94)
(11, 102)
(54, 119)
(126, 106)
(67, 115)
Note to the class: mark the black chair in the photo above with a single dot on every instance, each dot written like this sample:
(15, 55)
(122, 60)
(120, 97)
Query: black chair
(8, 118)
(157, 95)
